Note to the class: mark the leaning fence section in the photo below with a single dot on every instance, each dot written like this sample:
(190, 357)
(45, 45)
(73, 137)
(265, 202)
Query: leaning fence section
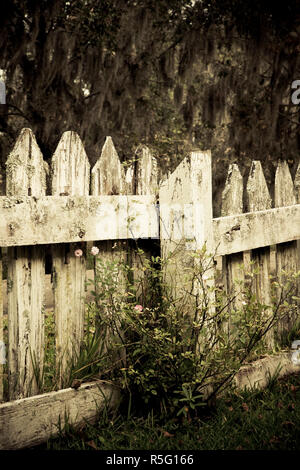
(113, 209)
(273, 259)
(254, 235)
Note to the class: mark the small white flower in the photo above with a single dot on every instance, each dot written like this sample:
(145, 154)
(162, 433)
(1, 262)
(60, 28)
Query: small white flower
(94, 250)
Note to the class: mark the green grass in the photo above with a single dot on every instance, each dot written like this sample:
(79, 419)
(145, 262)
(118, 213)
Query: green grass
(258, 420)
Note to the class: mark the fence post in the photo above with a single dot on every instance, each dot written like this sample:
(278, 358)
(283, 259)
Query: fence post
(186, 214)
(25, 175)
(70, 176)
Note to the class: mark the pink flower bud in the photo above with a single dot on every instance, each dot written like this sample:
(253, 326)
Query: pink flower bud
(139, 308)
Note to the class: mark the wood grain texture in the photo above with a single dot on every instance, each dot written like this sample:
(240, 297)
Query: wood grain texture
(28, 221)
(108, 175)
(232, 203)
(258, 198)
(31, 421)
(256, 229)
(108, 179)
(232, 195)
(145, 182)
(286, 253)
(57, 219)
(186, 226)
(70, 175)
(25, 175)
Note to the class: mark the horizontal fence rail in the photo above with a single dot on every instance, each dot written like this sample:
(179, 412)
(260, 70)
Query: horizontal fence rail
(60, 219)
(248, 231)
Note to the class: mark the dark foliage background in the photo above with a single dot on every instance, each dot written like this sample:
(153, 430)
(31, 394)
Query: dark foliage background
(173, 74)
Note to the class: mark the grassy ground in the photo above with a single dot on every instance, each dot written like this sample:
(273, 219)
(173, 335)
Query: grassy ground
(257, 420)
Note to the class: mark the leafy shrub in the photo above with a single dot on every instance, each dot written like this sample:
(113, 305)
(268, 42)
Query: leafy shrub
(177, 348)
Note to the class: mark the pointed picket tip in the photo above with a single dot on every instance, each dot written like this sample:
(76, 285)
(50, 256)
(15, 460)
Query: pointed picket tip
(297, 184)
(147, 171)
(257, 192)
(284, 194)
(25, 167)
(108, 176)
(232, 195)
(70, 166)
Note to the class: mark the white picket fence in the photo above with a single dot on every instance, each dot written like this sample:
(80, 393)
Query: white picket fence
(258, 233)
(109, 206)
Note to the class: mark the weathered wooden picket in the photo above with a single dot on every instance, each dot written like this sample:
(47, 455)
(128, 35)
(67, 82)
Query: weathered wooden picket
(120, 206)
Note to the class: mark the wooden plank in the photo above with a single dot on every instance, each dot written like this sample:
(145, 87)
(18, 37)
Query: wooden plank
(284, 194)
(31, 421)
(71, 176)
(256, 229)
(232, 203)
(286, 253)
(257, 194)
(258, 198)
(185, 206)
(70, 168)
(232, 196)
(257, 374)
(108, 178)
(52, 219)
(186, 226)
(25, 175)
(145, 182)
(25, 168)
(58, 219)
(108, 174)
